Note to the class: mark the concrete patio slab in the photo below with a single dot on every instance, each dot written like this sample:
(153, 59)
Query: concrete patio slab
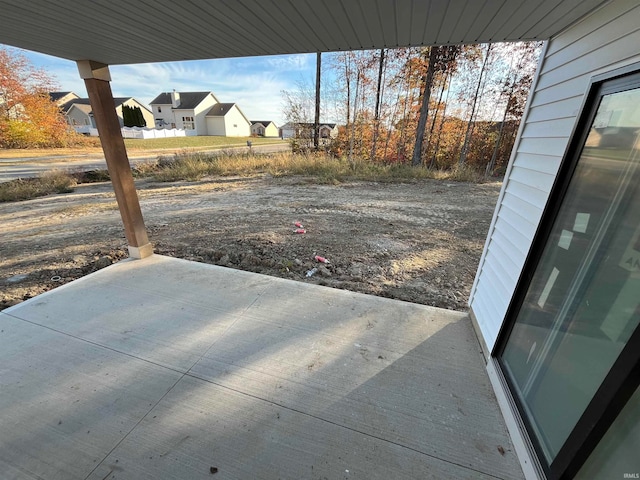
(174, 367)
(65, 403)
(136, 311)
(200, 425)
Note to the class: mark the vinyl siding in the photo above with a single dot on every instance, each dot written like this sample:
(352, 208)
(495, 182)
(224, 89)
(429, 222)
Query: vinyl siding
(178, 114)
(200, 114)
(271, 131)
(236, 125)
(607, 39)
(80, 117)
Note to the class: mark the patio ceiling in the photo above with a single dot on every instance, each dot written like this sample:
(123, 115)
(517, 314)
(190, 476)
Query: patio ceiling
(124, 32)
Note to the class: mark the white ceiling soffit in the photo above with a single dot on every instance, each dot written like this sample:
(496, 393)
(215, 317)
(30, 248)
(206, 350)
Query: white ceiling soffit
(138, 31)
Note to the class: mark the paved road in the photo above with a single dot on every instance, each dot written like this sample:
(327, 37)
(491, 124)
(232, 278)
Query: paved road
(12, 168)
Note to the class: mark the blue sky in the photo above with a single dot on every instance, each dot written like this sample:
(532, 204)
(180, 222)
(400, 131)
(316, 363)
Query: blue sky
(254, 83)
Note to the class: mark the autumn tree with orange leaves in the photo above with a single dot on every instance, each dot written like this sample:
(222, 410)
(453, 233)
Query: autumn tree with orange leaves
(28, 117)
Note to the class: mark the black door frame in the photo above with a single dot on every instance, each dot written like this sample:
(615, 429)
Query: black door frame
(624, 376)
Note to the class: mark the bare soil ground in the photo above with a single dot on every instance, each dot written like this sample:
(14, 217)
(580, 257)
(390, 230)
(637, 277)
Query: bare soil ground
(419, 242)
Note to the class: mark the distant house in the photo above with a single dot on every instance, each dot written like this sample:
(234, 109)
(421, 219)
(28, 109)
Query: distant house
(185, 110)
(60, 98)
(264, 128)
(78, 112)
(226, 119)
(305, 130)
(328, 130)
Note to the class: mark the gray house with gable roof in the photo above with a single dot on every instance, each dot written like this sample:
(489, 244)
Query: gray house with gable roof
(78, 112)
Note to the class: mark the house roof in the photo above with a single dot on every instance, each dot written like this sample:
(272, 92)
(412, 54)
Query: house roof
(55, 96)
(188, 100)
(83, 107)
(85, 102)
(220, 109)
(124, 32)
(264, 123)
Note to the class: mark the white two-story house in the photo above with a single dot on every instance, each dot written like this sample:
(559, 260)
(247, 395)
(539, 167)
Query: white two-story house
(185, 110)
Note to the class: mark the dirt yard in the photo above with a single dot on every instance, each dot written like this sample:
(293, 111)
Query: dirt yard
(419, 242)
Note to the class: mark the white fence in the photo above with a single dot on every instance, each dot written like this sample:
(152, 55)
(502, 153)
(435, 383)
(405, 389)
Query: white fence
(139, 132)
(86, 130)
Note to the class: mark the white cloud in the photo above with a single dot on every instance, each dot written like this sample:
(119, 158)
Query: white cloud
(291, 62)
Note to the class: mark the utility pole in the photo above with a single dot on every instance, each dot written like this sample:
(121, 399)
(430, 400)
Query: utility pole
(316, 123)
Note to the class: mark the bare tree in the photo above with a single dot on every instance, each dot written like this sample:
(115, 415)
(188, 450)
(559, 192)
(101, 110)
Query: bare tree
(406, 74)
(355, 116)
(472, 117)
(516, 87)
(440, 59)
(316, 122)
(298, 107)
(424, 107)
(443, 118)
(376, 116)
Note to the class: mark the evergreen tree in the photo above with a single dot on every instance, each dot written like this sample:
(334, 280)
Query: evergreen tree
(126, 116)
(139, 118)
(132, 117)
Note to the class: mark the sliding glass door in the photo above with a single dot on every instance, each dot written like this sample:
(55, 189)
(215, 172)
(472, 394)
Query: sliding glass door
(580, 307)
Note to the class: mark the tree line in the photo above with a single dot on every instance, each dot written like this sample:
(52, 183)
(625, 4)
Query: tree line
(436, 107)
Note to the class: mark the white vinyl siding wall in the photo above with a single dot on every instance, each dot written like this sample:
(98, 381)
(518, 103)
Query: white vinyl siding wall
(607, 39)
(163, 113)
(236, 125)
(200, 114)
(178, 115)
